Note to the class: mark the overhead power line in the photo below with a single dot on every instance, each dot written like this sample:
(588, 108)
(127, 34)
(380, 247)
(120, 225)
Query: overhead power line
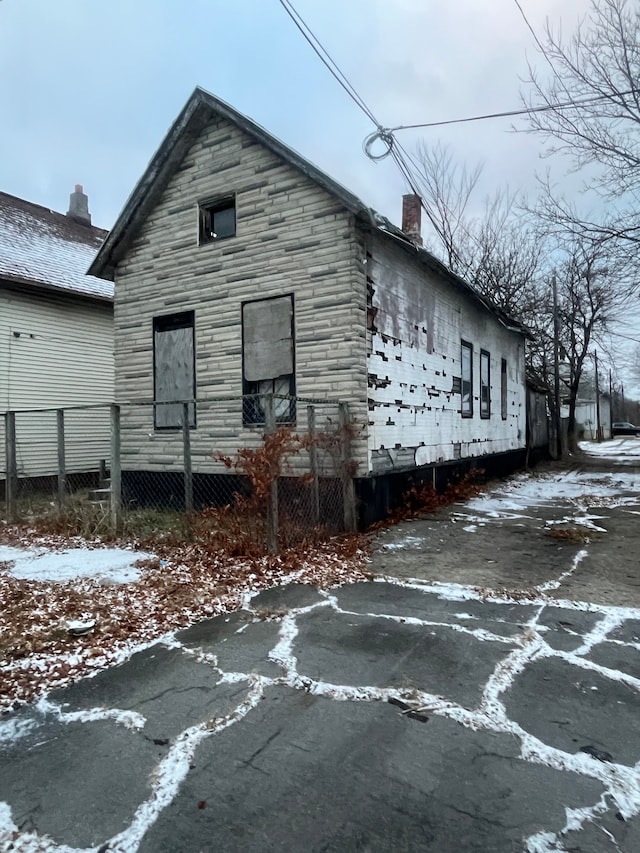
(385, 134)
(559, 105)
(324, 56)
(400, 156)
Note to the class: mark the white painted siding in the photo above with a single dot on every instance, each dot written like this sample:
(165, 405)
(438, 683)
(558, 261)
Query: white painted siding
(55, 352)
(414, 355)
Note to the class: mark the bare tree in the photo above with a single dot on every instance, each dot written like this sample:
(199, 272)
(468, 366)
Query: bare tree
(593, 293)
(510, 256)
(589, 109)
(447, 188)
(497, 250)
(504, 255)
(595, 77)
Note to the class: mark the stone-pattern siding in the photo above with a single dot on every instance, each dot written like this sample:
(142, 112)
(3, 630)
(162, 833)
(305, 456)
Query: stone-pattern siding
(292, 238)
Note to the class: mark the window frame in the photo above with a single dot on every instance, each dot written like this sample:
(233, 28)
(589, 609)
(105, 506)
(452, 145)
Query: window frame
(466, 410)
(253, 414)
(207, 209)
(485, 398)
(503, 389)
(165, 323)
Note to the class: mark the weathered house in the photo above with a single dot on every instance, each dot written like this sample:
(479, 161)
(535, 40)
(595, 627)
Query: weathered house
(241, 268)
(56, 333)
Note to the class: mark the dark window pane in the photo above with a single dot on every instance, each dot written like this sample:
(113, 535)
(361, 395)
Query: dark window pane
(466, 407)
(485, 385)
(224, 223)
(503, 388)
(217, 220)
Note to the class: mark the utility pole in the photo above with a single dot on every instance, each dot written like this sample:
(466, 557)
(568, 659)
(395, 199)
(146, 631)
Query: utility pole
(611, 418)
(556, 367)
(598, 427)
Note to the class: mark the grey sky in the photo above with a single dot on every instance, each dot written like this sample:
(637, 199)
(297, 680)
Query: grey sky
(88, 89)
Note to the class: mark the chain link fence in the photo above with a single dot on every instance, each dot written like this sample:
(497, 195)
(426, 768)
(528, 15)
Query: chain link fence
(244, 474)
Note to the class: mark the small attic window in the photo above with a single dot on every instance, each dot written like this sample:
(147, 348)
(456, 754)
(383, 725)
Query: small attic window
(217, 219)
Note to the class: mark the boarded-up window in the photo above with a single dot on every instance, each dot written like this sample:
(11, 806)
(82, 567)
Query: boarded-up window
(466, 360)
(503, 389)
(485, 384)
(268, 358)
(174, 369)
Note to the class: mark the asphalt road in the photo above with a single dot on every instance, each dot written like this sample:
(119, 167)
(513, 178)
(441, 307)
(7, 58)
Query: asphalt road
(421, 712)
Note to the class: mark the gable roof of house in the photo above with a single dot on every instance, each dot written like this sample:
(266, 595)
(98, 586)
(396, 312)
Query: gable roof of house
(40, 248)
(193, 118)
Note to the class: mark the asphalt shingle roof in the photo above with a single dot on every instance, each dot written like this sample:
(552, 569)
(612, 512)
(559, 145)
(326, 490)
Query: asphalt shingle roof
(43, 248)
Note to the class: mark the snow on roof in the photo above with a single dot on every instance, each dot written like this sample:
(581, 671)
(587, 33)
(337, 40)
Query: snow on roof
(40, 247)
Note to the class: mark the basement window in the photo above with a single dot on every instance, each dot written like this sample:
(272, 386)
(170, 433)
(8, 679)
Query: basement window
(217, 220)
(466, 361)
(485, 384)
(174, 372)
(268, 360)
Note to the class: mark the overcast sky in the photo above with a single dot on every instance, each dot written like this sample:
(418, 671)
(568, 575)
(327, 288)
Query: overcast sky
(88, 89)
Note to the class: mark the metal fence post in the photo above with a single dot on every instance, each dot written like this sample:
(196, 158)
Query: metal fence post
(348, 487)
(188, 473)
(62, 472)
(272, 503)
(116, 470)
(313, 462)
(11, 467)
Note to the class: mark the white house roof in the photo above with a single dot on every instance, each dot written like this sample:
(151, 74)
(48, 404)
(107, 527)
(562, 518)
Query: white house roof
(42, 248)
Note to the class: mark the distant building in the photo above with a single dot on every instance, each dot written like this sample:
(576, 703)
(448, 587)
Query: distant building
(590, 413)
(56, 333)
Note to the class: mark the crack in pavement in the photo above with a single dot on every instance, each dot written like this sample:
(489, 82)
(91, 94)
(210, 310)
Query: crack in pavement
(621, 783)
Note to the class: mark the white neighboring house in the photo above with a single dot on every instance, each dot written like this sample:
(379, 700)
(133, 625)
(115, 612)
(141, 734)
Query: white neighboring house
(56, 335)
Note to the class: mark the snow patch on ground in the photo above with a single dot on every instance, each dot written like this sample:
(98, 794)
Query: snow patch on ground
(109, 565)
(620, 449)
(405, 542)
(621, 783)
(13, 729)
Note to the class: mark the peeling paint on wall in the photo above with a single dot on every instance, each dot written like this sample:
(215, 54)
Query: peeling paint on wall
(414, 369)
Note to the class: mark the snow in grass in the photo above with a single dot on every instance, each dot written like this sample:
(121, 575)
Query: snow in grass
(109, 565)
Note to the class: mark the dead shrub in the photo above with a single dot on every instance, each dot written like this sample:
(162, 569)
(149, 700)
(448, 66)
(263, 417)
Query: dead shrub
(423, 498)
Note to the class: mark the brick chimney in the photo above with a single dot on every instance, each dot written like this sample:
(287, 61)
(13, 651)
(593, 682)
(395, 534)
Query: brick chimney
(411, 217)
(79, 207)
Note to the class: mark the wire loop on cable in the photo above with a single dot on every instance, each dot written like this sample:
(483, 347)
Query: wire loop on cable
(384, 136)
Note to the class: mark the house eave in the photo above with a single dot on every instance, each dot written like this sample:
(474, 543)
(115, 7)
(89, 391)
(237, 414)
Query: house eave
(26, 285)
(384, 229)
